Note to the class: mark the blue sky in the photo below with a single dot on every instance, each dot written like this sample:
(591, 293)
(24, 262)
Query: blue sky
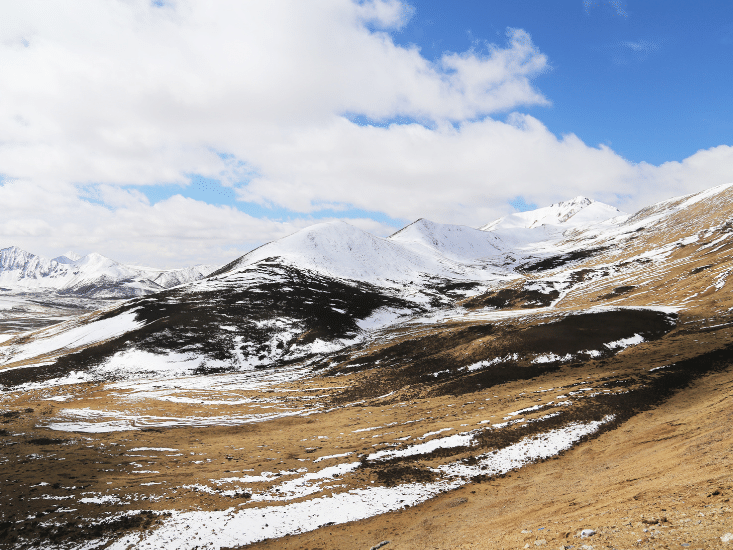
(190, 131)
(652, 79)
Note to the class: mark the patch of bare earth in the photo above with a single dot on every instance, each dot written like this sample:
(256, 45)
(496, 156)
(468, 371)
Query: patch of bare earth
(664, 479)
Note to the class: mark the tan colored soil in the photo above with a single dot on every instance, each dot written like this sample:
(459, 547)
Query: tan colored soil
(650, 484)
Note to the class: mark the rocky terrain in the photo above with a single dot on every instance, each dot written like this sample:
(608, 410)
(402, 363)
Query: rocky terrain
(557, 378)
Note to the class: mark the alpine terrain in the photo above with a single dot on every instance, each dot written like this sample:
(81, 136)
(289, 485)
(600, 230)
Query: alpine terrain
(36, 292)
(561, 378)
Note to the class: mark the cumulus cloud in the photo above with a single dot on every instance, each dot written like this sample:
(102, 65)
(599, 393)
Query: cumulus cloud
(131, 92)
(48, 218)
(466, 174)
(99, 97)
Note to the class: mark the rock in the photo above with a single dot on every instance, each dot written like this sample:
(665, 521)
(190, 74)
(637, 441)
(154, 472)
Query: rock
(587, 533)
(728, 537)
(540, 542)
(525, 532)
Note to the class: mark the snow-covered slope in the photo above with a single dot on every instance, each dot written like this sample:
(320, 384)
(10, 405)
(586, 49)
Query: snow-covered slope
(90, 275)
(421, 251)
(561, 216)
(456, 242)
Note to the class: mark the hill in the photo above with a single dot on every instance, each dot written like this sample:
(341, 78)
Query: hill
(359, 389)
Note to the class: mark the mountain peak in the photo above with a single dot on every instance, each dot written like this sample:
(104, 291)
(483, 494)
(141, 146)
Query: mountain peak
(73, 256)
(580, 200)
(14, 257)
(581, 210)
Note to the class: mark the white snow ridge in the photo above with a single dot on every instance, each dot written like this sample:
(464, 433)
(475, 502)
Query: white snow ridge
(90, 275)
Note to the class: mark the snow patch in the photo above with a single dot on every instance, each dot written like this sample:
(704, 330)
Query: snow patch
(551, 358)
(624, 343)
(382, 317)
(91, 333)
(213, 530)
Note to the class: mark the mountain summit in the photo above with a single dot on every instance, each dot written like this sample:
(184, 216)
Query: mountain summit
(574, 213)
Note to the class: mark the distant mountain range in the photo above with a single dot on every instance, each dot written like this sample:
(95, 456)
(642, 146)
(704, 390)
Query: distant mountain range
(422, 249)
(92, 276)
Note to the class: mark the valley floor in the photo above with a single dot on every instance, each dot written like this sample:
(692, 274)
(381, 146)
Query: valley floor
(26, 311)
(664, 479)
(634, 445)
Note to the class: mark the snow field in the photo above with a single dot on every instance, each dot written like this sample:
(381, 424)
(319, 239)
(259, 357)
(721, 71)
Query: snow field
(76, 336)
(232, 527)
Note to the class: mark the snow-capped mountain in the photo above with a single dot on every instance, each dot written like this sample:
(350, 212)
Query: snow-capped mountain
(561, 216)
(418, 252)
(92, 275)
(175, 277)
(317, 289)
(539, 228)
(426, 250)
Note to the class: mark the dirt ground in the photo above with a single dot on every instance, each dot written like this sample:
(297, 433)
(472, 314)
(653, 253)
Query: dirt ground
(664, 479)
(643, 483)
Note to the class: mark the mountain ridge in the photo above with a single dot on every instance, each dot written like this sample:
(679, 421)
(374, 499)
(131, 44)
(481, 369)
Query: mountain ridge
(579, 211)
(92, 275)
(293, 390)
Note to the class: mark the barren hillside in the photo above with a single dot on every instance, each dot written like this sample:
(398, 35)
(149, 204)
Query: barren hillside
(446, 387)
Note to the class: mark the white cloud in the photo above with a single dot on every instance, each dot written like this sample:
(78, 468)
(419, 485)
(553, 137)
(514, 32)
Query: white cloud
(95, 95)
(467, 174)
(47, 219)
(706, 168)
(127, 92)
(122, 224)
(385, 14)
